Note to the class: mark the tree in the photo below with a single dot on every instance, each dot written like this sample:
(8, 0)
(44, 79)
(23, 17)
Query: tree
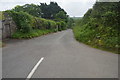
(43, 10)
(49, 11)
(61, 16)
(29, 8)
(70, 23)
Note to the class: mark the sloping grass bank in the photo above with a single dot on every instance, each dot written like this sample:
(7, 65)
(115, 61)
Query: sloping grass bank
(90, 39)
(100, 28)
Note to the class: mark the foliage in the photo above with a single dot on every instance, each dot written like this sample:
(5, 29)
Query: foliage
(31, 9)
(26, 22)
(22, 19)
(0, 15)
(61, 16)
(49, 11)
(0, 44)
(34, 33)
(70, 23)
(61, 25)
(41, 23)
(100, 27)
(43, 10)
(30, 24)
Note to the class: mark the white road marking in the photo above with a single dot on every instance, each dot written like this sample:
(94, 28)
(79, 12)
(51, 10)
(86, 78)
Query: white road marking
(34, 69)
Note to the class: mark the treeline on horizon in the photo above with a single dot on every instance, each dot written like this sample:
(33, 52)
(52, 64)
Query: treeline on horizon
(35, 20)
(100, 26)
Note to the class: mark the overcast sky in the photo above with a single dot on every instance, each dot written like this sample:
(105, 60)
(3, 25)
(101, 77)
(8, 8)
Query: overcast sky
(75, 8)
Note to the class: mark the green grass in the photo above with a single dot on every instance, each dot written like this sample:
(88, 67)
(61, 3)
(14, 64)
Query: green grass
(98, 28)
(32, 34)
(0, 15)
(0, 44)
(85, 36)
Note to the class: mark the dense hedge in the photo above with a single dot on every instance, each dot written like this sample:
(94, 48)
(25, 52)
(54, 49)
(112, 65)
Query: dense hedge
(41, 23)
(28, 24)
(22, 19)
(100, 27)
(61, 25)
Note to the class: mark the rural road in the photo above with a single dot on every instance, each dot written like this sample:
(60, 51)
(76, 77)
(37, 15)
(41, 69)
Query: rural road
(64, 57)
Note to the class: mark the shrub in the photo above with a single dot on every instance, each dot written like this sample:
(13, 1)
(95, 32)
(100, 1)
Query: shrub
(59, 26)
(23, 21)
(29, 26)
(63, 25)
(41, 23)
(100, 27)
(32, 34)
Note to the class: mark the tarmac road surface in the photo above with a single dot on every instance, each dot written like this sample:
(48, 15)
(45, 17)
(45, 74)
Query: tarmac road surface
(64, 57)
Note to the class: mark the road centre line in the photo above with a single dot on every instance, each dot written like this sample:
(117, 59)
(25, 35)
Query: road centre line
(34, 69)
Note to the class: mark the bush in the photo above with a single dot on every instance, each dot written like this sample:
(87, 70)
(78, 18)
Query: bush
(23, 21)
(32, 34)
(0, 15)
(61, 25)
(29, 26)
(41, 23)
(100, 29)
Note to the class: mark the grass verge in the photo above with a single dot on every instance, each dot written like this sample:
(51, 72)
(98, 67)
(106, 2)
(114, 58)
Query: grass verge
(0, 15)
(32, 34)
(1, 44)
(85, 38)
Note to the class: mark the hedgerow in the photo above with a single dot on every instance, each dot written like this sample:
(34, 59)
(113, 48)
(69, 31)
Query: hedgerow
(28, 24)
(100, 28)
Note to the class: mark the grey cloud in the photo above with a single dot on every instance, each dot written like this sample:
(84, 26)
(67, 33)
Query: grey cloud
(72, 8)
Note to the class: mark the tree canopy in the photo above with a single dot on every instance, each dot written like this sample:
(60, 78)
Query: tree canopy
(47, 11)
(32, 9)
